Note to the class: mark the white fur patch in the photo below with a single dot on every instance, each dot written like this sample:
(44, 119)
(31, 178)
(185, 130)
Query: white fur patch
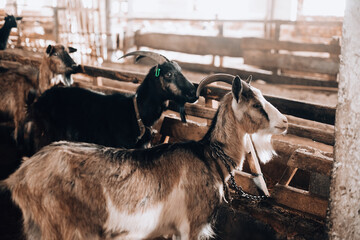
(206, 232)
(138, 225)
(61, 78)
(159, 219)
(263, 146)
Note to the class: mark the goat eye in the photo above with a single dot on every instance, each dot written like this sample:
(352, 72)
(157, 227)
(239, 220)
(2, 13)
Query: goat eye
(168, 75)
(55, 54)
(257, 105)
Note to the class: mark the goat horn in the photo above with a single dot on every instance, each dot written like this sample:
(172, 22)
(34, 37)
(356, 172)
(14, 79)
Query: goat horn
(160, 59)
(223, 77)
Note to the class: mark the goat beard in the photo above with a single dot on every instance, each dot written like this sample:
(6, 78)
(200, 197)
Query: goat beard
(64, 79)
(263, 147)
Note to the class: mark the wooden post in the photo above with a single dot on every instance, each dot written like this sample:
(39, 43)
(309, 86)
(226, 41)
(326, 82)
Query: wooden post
(56, 24)
(344, 213)
(108, 30)
(255, 168)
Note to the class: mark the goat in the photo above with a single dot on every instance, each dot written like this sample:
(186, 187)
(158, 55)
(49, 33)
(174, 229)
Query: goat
(115, 120)
(16, 84)
(87, 191)
(10, 22)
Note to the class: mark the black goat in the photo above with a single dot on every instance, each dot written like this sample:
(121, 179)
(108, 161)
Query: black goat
(10, 22)
(115, 120)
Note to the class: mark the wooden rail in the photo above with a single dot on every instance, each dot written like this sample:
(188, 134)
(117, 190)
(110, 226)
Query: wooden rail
(264, 54)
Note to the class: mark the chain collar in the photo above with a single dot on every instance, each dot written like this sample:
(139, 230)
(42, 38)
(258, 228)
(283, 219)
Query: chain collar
(138, 118)
(217, 152)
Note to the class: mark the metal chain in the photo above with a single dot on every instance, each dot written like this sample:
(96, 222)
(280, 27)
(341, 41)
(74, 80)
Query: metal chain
(217, 149)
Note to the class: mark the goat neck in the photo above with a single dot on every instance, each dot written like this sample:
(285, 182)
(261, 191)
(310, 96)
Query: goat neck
(226, 132)
(151, 104)
(45, 74)
(4, 35)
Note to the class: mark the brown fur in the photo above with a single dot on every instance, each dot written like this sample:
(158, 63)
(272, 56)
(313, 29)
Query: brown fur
(16, 84)
(63, 189)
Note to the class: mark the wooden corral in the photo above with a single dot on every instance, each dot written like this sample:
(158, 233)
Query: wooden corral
(298, 178)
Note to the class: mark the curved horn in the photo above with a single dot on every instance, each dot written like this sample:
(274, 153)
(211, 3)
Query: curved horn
(223, 77)
(160, 59)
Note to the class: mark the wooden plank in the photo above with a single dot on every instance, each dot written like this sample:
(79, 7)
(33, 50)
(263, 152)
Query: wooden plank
(269, 78)
(286, 22)
(195, 110)
(175, 128)
(254, 165)
(223, 46)
(300, 200)
(315, 134)
(319, 184)
(285, 149)
(126, 76)
(200, 45)
(310, 111)
(246, 182)
(312, 161)
(292, 62)
(271, 44)
(287, 176)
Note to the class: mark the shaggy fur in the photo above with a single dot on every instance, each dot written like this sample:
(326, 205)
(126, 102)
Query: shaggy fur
(86, 191)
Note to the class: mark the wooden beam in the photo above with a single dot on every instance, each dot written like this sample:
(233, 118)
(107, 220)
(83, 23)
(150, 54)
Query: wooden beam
(312, 161)
(246, 182)
(126, 76)
(199, 45)
(175, 128)
(292, 62)
(270, 44)
(287, 176)
(300, 200)
(310, 111)
(269, 78)
(223, 46)
(315, 134)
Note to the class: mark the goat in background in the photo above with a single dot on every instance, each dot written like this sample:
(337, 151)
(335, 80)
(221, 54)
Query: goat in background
(86, 191)
(16, 84)
(116, 120)
(10, 22)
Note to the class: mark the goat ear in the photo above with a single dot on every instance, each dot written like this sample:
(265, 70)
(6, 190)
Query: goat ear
(248, 80)
(237, 88)
(71, 49)
(49, 49)
(19, 18)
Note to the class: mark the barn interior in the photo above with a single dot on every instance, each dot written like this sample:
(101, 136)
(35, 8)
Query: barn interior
(291, 48)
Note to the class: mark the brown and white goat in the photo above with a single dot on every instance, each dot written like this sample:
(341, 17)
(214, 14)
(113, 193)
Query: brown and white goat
(15, 84)
(87, 191)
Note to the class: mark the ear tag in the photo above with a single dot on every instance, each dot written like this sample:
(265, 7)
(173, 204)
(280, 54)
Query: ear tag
(157, 72)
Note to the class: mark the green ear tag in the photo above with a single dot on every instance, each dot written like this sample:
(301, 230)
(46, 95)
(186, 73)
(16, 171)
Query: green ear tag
(157, 72)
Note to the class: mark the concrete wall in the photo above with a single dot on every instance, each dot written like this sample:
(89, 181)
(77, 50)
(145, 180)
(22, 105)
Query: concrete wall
(344, 216)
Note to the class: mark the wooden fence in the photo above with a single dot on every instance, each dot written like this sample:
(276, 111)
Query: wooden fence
(280, 57)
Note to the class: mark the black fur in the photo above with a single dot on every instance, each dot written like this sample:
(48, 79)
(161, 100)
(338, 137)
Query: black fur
(77, 114)
(10, 22)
